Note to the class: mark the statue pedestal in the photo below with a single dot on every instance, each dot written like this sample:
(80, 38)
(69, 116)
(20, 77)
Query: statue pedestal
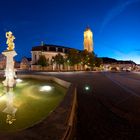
(9, 71)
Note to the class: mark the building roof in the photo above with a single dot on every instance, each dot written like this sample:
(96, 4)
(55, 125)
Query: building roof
(29, 59)
(51, 48)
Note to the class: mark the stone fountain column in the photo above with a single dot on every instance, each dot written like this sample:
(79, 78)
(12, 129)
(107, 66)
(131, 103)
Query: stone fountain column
(9, 81)
(9, 71)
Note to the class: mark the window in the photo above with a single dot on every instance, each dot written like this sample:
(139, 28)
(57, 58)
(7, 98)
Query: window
(35, 57)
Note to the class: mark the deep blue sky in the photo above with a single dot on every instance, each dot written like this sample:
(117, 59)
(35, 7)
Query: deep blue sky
(115, 25)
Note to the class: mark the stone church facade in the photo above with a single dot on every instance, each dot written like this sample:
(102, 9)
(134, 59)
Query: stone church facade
(50, 51)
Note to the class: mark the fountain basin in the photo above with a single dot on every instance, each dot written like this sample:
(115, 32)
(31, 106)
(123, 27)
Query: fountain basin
(33, 104)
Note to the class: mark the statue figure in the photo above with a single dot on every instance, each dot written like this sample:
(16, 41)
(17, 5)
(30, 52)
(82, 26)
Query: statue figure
(10, 39)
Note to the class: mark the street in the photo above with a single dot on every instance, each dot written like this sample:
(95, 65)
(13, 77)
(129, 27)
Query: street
(108, 104)
(107, 92)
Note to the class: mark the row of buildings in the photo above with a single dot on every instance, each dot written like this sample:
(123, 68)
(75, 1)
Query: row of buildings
(50, 51)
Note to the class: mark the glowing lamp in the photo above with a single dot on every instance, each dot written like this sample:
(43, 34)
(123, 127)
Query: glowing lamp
(87, 88)
(45, 88)
(18, 80)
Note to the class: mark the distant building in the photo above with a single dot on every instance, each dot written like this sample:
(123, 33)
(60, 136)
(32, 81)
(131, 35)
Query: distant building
(120, 65)
(25, 63)
(17, 64)
(137, 68)
(88, 40)
(2, 61)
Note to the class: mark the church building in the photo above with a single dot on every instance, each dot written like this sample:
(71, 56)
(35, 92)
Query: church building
(50, 51)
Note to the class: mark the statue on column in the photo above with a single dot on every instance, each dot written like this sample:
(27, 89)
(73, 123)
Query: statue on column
(10, 39)
(10, 53)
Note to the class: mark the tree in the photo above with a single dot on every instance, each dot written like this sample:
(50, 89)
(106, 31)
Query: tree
(98, 61)
(91, 60)
(84, 56)
(43, 61)
(73, 57)
(59, 59)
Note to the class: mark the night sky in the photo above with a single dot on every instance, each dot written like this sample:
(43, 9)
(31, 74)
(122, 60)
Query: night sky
(115, 25)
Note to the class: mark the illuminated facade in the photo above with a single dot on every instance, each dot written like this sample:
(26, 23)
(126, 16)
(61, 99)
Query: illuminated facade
(49, 51)
(88, 40)
(2, 61)
(25, 63)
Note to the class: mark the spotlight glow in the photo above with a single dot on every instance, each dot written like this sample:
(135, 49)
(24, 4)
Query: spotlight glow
(18, 80)
(87, 88)
(45, 88)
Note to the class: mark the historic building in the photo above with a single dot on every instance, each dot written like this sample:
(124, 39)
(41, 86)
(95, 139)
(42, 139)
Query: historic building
(2, 61)
(118, 65)
(49, 51)
(25, 63)
(88, 40)
(17, 64)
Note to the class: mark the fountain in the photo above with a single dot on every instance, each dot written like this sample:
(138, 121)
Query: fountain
(9, 81)
(33, 96)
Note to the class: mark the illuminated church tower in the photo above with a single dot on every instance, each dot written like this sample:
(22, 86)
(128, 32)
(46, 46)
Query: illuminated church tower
(88, 40)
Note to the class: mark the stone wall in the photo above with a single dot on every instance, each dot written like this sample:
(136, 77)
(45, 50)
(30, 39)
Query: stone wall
(60, 124)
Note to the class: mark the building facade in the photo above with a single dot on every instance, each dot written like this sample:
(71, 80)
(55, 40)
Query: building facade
(25, 63)
(118, 65)
(49, 51)
(2, 61)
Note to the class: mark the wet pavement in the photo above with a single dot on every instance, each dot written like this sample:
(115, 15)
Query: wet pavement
(107, 104)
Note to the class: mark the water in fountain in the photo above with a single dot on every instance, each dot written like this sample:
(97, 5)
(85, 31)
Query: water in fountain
(10, 110)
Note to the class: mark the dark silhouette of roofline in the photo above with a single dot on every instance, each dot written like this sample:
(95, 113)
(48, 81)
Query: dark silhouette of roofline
(41, 48)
